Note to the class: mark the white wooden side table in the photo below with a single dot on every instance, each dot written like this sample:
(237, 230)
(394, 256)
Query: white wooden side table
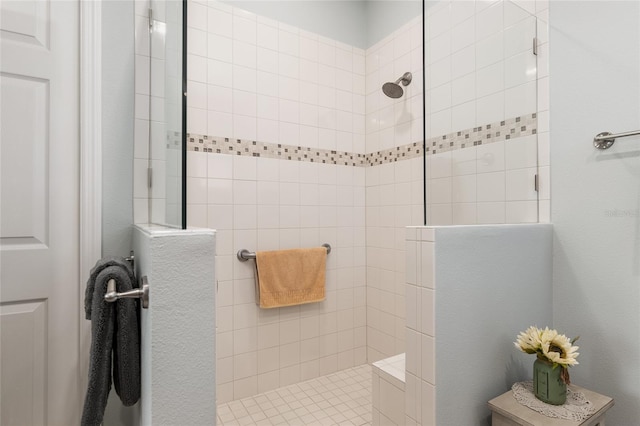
(506, 411)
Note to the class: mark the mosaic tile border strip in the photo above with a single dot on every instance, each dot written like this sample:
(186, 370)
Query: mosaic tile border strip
(511, 128)
(516, 127)
(224, 145)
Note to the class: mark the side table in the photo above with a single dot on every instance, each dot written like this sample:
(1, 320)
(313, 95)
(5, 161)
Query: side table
(506, 411)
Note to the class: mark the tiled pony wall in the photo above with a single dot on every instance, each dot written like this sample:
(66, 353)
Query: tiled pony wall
(487, 112)
(289, 135)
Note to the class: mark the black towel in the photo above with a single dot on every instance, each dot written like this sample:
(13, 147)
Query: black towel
(100, 265)
(114, 330)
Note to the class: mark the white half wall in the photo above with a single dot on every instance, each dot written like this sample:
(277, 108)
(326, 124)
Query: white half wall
(178, 329)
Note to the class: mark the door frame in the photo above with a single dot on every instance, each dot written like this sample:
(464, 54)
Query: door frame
(90, 188)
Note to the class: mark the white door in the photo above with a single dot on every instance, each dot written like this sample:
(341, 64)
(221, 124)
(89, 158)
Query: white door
(39, 213)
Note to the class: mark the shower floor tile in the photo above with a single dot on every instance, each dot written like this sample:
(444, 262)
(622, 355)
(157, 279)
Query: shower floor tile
(342, 398)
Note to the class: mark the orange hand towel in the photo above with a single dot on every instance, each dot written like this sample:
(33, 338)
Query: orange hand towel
(291, 277)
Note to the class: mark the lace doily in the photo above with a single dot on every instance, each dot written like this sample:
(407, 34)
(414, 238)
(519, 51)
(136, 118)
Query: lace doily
(577, 408)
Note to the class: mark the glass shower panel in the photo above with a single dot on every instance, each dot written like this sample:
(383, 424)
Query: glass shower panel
(481, 113)
(166, 107)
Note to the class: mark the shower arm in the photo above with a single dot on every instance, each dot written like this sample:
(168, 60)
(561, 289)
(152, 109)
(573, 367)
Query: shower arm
(405, 79)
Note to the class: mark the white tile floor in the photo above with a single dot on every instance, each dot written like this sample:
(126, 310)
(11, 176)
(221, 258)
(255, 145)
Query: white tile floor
(342, 398)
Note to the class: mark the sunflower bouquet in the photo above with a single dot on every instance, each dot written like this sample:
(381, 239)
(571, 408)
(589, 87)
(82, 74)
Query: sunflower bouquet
(549, 346)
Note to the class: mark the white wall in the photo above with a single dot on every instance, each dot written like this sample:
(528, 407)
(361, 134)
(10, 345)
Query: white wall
(470, 291)
(595, 87)
(117, 151)
(344, 21)
(385, 17)
(117, 126)
(360, 23)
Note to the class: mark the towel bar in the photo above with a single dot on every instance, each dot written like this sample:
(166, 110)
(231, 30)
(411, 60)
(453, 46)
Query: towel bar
(605, 139)
(141, 293)
(244, 254)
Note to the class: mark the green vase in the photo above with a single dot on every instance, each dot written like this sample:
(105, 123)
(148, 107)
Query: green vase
(547, 383)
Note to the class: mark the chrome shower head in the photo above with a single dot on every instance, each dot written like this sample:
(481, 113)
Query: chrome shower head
(394, 90)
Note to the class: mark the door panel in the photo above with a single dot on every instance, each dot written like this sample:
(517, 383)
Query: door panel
(26, 22)
(24, 344)
(39, 213)
(25, 190)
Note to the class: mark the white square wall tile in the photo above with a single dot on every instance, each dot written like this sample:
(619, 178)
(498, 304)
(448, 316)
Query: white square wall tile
(490, 79)
(440, 165)
(244, 29)
(197, 190)
(463, 62)
(245, 127)
(308, 49)
(197, 42)
(219, 124)
(519, 69)
(440, 191)
(219, 99)
(220, 191)
(392, 402)
(520, 100)
(463, 116)
(490, 50)
(464, 189)
(491, 212)
(463, 90)
(521, 211)
(441, 214)
(521, 152)
(427, 234)
(490, 109)
(411, 252)
(490, 157)
(244, 54)
(219, 22)
(464, 161)
(219, 73)
(427, 250)
(428, 359)
(428, 404)
(411, 307)
(288, 43)
(219, 48)
(489, 21)
(463, 34)
(491, 187)
(267, 36)
(427, 311)
(244, 103)
(520, 184)
(464, 213)
(517, 38)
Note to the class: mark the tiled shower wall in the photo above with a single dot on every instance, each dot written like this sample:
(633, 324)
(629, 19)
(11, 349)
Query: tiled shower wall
(276, 143)
(486, 112)
(394, 182)
(293, 144)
